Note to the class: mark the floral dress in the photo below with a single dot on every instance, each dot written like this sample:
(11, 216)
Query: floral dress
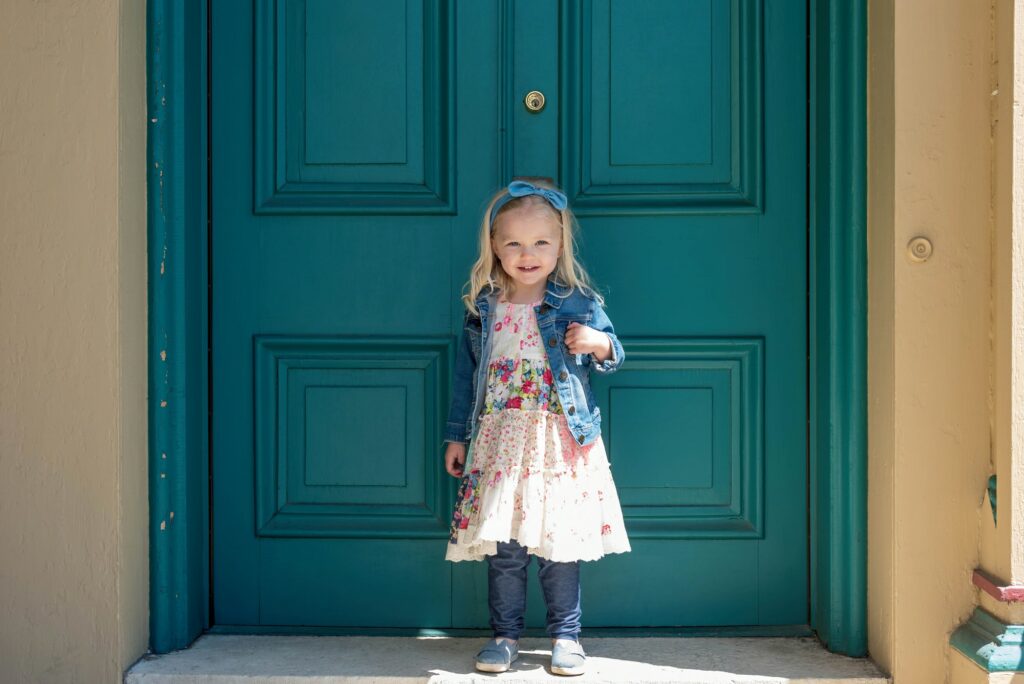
(527, 478)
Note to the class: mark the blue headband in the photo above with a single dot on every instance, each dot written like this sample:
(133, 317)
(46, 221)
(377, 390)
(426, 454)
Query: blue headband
(518, 188)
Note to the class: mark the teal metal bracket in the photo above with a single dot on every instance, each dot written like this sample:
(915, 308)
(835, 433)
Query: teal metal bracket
(994, 645)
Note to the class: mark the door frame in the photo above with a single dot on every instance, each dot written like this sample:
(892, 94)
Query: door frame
(177, 49)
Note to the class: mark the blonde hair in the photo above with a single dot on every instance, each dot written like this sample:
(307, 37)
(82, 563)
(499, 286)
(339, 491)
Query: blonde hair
(487, 271)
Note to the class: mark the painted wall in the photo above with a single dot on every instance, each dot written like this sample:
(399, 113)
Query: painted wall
(73, 480)
(1002, 544)
(930, 174)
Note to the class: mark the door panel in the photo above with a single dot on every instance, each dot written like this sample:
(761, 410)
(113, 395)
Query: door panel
(353, 148)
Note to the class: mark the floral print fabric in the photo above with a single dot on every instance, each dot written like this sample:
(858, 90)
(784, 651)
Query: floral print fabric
(527, 478)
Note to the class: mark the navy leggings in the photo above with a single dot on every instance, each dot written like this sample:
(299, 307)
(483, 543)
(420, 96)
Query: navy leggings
(506, 592)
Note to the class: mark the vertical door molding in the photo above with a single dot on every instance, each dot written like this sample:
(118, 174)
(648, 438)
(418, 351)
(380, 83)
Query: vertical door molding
(176, 151)
(838, 323)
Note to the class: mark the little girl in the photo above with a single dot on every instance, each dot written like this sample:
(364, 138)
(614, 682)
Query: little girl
(538, 481)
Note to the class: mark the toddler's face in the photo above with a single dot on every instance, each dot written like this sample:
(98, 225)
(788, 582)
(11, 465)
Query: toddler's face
(528, 246)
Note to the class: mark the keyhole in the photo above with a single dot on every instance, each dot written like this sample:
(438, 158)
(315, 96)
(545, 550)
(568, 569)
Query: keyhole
(534, 100)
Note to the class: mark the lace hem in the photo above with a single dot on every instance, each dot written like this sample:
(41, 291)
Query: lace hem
(530, 481)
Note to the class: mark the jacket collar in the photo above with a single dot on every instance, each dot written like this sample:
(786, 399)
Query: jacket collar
(554, 294)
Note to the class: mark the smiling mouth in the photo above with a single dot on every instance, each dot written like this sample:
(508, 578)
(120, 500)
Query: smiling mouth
(530, 269)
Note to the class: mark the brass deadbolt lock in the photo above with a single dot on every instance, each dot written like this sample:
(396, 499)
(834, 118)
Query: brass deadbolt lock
(534, 100)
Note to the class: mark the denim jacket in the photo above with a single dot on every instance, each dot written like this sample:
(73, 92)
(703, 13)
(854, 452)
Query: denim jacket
(571, 373)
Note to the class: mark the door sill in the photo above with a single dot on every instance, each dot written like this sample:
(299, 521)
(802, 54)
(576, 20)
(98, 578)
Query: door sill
(231, 658)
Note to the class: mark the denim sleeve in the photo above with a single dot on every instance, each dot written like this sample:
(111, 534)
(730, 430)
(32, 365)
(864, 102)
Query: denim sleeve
(599, 321)
(462, 389)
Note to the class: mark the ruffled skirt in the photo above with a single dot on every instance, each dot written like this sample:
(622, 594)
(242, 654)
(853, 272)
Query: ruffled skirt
(530, 481)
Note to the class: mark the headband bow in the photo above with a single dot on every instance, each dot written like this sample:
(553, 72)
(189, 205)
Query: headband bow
(519, 188)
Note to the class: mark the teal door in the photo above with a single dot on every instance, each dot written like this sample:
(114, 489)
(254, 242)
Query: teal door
(353, 146)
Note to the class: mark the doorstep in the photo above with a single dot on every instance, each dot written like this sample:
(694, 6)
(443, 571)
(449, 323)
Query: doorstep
(252, 659)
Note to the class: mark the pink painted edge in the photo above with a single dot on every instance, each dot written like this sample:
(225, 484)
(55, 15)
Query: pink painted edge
(1008, 593)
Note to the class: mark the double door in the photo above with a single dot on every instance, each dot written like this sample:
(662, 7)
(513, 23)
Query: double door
(353, 147)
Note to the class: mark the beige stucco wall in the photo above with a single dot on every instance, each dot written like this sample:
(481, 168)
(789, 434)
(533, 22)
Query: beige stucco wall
(1002, 545)
(1002, 550)
(930, 174)
(881, 336)
(73, 492)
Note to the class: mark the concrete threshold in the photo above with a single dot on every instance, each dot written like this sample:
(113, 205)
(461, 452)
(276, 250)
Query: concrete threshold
(252, 659)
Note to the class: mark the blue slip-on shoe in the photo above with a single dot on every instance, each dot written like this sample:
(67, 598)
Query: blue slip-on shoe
(568, 658)
(497, 656)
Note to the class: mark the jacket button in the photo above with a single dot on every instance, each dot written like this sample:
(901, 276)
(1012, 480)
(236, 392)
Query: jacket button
(580, 439)
(552, 341)
(563, 375)
(572, 410)
(543, 307)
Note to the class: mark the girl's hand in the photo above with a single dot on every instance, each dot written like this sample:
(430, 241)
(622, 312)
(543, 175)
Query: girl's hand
(582, 339)
(455, 458)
